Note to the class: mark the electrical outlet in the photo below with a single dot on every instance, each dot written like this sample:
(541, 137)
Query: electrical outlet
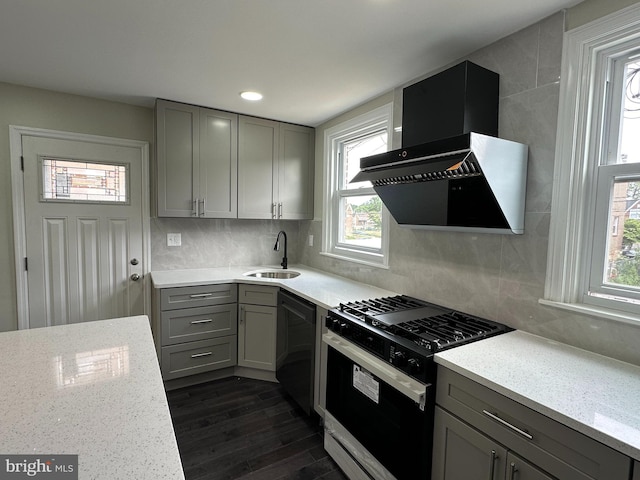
(174, 239)
(311, 240)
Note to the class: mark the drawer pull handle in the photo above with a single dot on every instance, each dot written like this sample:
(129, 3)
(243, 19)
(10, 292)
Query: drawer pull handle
(207, 320)
(200, 295)
(507, 424)
(198, 355)
(492, 465)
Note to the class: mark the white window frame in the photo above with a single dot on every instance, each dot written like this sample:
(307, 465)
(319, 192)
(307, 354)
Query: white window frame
(587, 50)
(375, 120)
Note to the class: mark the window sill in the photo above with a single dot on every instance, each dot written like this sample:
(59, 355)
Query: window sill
(607, 313)
(356, 260)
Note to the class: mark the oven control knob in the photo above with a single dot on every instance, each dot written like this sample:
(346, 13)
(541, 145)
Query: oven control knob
(399, 358)
(335, 324)
(415, 366)
(344, 328)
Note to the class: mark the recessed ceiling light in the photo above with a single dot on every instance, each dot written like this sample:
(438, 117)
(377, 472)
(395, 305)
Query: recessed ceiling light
(253, 96)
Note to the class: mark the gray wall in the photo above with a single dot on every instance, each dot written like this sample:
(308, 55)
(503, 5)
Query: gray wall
(499, 277)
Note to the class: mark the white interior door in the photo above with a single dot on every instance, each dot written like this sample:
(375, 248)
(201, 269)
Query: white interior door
(83, 229)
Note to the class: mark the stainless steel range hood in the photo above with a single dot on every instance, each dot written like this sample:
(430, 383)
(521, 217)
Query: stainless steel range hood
(472, 182)
(453, 172)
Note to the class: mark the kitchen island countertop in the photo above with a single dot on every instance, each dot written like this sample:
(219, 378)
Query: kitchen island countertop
(324, 289)
(90, 389)
(593, 394)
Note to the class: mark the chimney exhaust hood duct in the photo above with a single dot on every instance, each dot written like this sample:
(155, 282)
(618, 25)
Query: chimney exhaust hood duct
(452, 173)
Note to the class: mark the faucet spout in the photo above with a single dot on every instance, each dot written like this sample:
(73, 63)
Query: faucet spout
(276, 247)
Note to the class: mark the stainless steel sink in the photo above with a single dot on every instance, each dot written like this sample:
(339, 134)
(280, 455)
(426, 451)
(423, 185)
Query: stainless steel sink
(273, 274)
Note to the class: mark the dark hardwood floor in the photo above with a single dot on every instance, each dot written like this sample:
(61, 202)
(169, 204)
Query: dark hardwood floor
(237, 428)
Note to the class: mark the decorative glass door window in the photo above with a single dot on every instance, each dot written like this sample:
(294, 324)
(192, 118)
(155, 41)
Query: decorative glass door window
(65, 180)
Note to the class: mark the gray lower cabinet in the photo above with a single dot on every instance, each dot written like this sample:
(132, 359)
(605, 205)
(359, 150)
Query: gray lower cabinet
(197, 329)
(481, 434)
(463, 453)
(636, 470)
(257, 324)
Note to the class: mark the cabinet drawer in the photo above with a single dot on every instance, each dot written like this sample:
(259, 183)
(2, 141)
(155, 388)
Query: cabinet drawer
(198, 296)
(196, 357)
(258, 295)
(190, 324)
(554, 447)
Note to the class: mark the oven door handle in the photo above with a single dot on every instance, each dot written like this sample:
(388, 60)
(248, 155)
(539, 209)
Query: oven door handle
(406, 385)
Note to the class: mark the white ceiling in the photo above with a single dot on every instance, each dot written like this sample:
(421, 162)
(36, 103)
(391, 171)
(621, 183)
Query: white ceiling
(312, 59)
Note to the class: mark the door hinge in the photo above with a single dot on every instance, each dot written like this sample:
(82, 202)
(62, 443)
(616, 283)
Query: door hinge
(26, 264)
(22, 163)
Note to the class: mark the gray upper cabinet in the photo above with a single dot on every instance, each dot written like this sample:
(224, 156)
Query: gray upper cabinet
(295, 172)
(196, 161)
(275, 170)
(257, 162)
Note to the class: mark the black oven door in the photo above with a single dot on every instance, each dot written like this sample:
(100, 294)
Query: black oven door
(390, 425)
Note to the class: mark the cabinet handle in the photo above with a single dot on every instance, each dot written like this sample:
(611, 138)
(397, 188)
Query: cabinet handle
(492, 465)
(208, 320)
(513, 470)
(195, 208)
(507, 424)
(280, 210)
(205, 354)
(273, 210)
(241, 319)
(201, 212)
(200, 295)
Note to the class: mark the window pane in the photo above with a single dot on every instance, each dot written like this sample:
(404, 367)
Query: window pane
(630, 128)
(623, 267)
(354, 150)
(72, 180)
(361, 221)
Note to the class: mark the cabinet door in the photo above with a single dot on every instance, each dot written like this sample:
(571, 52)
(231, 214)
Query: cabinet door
(257, 155)
(177, 144)
(257, 337)
(461, 452)
(295, 172)
(519, 469)
(218, 176)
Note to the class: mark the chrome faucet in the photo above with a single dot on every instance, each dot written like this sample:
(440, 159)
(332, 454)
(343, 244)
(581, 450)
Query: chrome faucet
(276, 247)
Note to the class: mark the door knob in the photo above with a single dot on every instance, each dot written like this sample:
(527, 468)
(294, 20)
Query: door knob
(135, 277)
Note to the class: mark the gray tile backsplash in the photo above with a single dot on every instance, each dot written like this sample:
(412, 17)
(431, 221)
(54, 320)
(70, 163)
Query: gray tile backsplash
(210, 243)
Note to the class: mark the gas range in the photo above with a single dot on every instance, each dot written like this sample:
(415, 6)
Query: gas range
(405, 332)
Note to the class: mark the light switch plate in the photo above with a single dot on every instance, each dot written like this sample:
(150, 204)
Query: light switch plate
(174, 239)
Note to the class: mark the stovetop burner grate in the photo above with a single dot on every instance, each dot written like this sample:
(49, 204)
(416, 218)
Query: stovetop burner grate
(435, 332)
(378, 306)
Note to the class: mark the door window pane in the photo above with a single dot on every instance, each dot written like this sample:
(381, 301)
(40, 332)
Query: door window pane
(80, 181)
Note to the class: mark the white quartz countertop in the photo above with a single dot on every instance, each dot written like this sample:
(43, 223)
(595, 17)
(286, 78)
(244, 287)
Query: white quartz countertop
(321, 288)
(93, 390)
(592, 394)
